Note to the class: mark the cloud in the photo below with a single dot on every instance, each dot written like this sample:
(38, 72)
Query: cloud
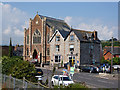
(105, 32)
(14, 21)
(7, 31)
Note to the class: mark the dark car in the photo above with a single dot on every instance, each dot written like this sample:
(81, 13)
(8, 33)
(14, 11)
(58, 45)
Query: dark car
(91, 69)
(39, 72)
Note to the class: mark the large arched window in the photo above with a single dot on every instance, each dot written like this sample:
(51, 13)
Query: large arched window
(36, 37)
(48, 37)
(27, 51)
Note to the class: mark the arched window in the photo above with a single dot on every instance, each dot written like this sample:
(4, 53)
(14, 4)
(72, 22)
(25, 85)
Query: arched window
(48, 37)
(27, 39)
(36, 37)
(27, 51)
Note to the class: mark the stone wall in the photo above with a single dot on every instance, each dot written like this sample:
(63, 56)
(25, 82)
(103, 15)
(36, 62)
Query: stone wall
(53, 51)
(89, 51)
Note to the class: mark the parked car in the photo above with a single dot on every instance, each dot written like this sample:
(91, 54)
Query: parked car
(115, 67)
(61, 80)
(39, 72)
(91, 69)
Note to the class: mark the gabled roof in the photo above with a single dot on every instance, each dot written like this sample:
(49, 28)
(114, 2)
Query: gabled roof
(63, 34)
(116, 49)
(87, 36)
(107, 52)
(56, 23)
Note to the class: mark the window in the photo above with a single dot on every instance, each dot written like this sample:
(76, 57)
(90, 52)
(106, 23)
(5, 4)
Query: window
(27, 51)
(48, 51)
(36, 37)
(57, 48)
(70, 59)
(48, 37)
(57, 58)
(71, 37)
(27, 39)
(57, 38)
(71, 47)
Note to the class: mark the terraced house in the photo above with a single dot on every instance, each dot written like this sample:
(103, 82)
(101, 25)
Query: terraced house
(52, 41)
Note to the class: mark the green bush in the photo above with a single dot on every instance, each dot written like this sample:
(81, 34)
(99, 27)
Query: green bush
(24, 69)
(8, 64)
(18, 68)
(116, 61)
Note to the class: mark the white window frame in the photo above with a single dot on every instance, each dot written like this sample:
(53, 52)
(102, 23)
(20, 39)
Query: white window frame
(59, 58)
(71, 46)
(72, 39)
(57, 48)
(57, 39)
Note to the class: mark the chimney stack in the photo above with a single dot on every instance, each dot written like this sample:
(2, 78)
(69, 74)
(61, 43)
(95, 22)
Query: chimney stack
(95, 35)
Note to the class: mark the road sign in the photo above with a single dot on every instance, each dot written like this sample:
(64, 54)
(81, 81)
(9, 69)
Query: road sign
(71, 70)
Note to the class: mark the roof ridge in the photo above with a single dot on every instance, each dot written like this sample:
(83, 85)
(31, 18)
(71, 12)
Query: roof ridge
(82, 30)
(53, 18)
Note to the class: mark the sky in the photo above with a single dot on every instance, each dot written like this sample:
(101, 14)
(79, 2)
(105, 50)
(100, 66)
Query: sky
(90, 16)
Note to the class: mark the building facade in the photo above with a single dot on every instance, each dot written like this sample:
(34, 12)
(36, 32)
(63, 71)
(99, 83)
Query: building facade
(52, 41)
(83, 47)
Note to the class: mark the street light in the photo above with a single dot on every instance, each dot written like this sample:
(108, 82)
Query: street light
(111, 56)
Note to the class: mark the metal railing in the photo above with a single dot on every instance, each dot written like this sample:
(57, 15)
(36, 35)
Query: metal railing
(11, 82)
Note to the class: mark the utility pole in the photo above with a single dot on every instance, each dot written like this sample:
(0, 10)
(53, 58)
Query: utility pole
(112, 55)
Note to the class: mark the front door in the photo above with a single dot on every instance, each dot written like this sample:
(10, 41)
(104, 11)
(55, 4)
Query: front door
(70, 59)
(35, 56)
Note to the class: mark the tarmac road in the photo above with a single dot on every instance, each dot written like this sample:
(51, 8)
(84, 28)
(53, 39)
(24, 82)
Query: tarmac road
(90, 79)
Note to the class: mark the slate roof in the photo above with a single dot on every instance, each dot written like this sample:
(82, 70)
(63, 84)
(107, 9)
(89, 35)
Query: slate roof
(116, 49)
(57, 24)
(87, 36)
(64, 29)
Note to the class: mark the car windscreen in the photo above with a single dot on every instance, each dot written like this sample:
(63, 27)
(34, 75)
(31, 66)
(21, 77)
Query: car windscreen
(38, 70)
(66, 79)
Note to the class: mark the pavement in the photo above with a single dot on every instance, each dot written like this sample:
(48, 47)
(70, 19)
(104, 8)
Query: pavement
(92, 80)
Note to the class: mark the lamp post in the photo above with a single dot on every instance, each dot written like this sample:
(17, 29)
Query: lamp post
(111, 56)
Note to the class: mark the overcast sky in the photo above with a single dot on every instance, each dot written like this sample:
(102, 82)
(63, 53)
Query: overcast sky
(90, 16)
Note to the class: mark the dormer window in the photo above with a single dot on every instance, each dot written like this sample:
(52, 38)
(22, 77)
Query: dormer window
(57, 38)
(71, 37)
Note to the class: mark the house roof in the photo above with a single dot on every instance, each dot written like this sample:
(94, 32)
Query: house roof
(57, 24)
(64, 29)
(106, 53)
(116, 49)
(83, 35)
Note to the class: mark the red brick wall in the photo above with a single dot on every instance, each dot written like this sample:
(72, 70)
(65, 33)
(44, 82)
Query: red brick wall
(108, 56)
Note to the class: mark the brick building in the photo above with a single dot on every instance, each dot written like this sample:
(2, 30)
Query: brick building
(107, 52)
(51, 40)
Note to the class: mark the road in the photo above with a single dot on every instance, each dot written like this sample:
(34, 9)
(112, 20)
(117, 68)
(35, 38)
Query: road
(90, 79)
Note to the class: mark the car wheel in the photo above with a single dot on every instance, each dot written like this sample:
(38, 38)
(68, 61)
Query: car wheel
(52, 83)
(90, 71)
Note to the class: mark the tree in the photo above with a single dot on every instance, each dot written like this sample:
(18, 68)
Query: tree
(10, 49)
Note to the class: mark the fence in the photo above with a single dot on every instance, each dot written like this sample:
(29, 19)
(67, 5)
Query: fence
(11, 82)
